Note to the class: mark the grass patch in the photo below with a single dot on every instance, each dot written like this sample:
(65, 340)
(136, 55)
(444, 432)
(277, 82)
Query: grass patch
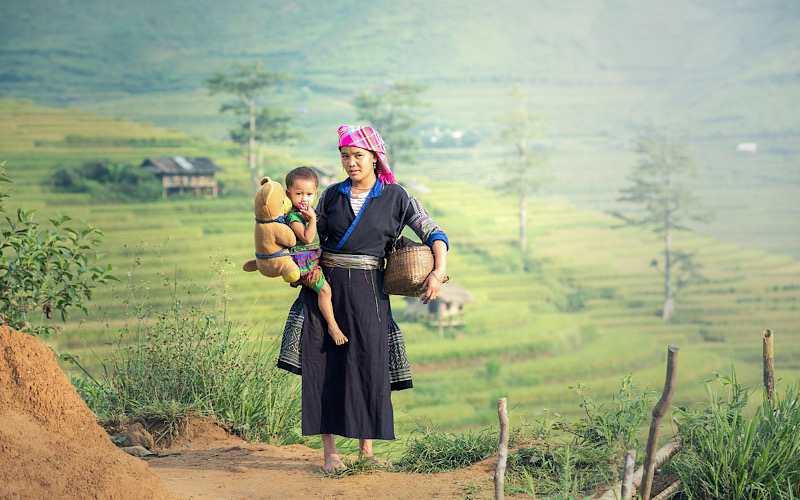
(560, 471)
(729, 454)
(429, 449)
(355, 467)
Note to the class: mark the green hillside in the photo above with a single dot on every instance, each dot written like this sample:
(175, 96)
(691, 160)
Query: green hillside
(726, 67)
(586, 309)
(152, 46)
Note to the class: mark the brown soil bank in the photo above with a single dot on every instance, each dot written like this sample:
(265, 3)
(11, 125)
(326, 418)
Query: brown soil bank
(50, 444)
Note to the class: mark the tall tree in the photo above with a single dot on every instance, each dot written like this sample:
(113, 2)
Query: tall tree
(666, 204)
(526, 169)
(263, 123)
(389, 111)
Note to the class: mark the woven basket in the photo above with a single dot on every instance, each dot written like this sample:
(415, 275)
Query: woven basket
(406, 270)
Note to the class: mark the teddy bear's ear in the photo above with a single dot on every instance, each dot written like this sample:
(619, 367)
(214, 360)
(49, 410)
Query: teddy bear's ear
(265, 180)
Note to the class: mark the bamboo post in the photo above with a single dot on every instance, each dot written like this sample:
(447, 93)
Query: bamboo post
(658, 413)
(627, 476)
(769, 364)
(502, 450)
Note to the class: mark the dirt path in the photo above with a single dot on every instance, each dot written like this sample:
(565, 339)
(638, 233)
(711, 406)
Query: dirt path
(51, 447)
(215, 465)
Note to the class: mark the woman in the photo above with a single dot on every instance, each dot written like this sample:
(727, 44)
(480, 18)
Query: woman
(347, 388)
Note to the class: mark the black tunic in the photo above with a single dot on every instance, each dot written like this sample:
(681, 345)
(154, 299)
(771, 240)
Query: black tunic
(346, 389)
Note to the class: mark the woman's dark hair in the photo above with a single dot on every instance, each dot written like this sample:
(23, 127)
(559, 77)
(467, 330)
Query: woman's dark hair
(306, 173)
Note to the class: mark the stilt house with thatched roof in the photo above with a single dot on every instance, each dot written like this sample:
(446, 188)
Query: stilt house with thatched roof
(446, 310)
(179, 174)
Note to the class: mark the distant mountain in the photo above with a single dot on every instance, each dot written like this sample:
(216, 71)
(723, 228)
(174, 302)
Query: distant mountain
(732, 63)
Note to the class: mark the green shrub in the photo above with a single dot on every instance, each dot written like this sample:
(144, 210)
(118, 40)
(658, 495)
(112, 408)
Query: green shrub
(45, 271)
(107, 181)
(592, 458)
(619, 422)
(190, 359)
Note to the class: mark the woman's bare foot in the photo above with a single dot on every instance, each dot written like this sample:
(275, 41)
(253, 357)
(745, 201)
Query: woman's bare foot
(337, 335)
(333, 464)
(377, 461)
(332, 461)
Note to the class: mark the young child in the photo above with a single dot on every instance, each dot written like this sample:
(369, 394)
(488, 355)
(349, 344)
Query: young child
(301, 188)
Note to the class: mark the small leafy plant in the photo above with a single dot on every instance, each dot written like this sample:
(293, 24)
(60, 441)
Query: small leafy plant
(45, 271)
(620, 421)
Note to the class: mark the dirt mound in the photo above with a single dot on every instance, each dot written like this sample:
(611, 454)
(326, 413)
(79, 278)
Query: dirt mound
(50, 444)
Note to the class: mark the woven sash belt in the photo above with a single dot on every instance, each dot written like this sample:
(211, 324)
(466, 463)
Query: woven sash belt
(350, 261)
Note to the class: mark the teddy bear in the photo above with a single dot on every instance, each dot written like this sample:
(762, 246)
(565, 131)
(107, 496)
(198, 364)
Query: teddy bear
(273, 237)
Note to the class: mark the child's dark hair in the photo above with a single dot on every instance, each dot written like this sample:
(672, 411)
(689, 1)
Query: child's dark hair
(306, 173)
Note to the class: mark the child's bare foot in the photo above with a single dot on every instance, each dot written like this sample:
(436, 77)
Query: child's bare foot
(333, 464)
(337, 336)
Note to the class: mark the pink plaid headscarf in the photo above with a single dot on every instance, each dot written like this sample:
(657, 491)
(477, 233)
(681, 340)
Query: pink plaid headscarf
(368, 138)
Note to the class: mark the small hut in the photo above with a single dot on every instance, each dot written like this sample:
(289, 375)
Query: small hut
(445, 310)
(180, 175)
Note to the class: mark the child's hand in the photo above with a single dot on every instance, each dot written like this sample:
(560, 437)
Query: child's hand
(306, 210)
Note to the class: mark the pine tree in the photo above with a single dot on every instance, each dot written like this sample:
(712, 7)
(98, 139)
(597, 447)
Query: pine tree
(667, 203)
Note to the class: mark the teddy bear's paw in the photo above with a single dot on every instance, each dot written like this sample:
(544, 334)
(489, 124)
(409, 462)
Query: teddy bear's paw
(292, 276)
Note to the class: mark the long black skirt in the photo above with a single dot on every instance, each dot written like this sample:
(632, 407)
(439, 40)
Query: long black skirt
(346, 388)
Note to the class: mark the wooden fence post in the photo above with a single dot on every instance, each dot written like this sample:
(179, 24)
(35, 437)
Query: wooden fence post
(769, 364)
(658, 413)
(663, 455)
(502, 450)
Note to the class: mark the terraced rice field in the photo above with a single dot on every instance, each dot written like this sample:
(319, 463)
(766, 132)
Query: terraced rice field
(582, 304)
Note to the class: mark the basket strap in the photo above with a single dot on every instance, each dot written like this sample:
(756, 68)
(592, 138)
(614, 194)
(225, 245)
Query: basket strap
(402, 225)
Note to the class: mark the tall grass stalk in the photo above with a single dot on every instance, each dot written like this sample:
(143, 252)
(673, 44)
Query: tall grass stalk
(730, 455)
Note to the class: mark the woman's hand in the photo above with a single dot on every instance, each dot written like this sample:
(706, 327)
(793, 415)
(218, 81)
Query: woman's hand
(433, 283)
(432, 286)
